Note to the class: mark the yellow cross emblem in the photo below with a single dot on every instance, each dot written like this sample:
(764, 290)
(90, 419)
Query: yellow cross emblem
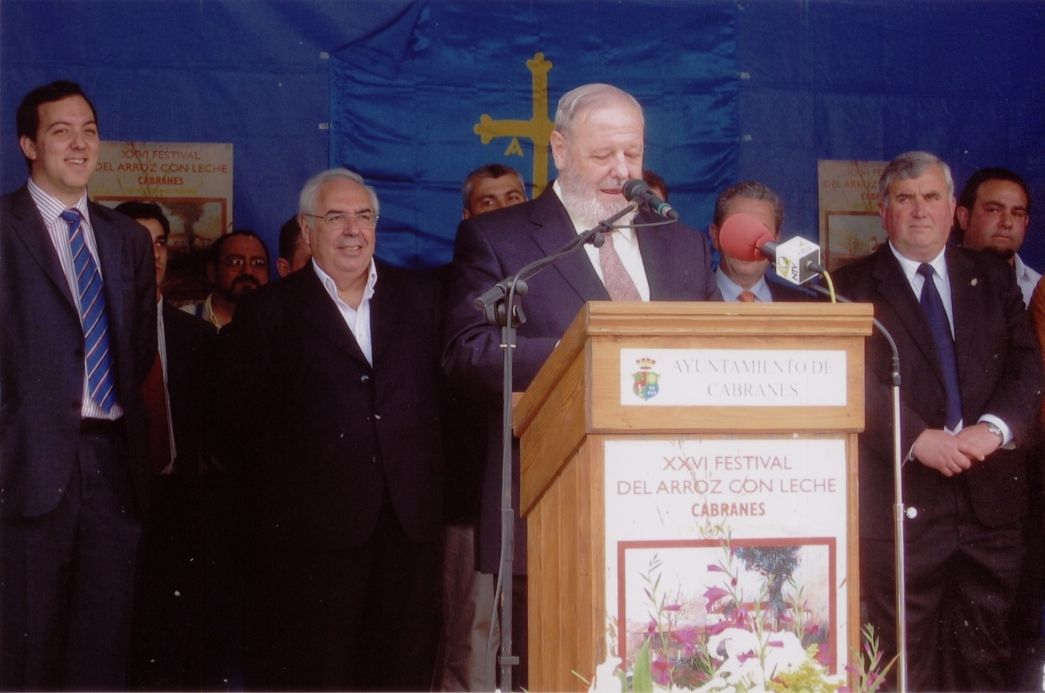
(537, 129)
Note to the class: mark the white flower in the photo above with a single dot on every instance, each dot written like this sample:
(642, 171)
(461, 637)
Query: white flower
(605, 681)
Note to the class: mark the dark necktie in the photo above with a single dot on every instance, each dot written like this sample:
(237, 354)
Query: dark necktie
(619, 284)
(936, 316)
(101, 384)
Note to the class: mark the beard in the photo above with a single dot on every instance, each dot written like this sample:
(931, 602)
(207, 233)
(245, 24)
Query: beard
(240, 286)
(582, 199)
(1004, 253)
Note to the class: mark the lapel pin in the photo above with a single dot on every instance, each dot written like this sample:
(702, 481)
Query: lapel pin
(974, 281)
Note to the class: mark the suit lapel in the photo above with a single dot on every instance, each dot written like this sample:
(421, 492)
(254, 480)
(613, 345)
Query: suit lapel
(29, 227)
(315, 306)
(966, 303)
(385, 317)
(892, 285)
(551, 229)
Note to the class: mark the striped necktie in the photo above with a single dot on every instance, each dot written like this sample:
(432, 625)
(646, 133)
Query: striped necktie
(100, 382)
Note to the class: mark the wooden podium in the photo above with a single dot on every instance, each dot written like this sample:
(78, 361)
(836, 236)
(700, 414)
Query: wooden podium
(631, 382)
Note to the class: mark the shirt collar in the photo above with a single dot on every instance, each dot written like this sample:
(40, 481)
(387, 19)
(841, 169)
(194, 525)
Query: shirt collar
(51, 207)
(331, 288)
(910, 267)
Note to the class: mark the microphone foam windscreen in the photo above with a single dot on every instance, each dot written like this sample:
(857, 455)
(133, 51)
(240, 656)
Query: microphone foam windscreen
(741, 236)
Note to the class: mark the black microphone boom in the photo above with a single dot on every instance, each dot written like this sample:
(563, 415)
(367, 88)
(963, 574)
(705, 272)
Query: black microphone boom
(636, 190)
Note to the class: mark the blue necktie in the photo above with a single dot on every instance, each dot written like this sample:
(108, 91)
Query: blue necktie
(936, 316)
(100, 382)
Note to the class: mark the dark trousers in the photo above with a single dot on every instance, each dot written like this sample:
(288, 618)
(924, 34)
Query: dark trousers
(961, 581)
(364, 618)
(67, 578)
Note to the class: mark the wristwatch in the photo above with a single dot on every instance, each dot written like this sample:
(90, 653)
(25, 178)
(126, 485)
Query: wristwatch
(993, 428)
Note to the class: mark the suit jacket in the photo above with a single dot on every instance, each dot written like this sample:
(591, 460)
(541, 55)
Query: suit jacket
(191, 347)
(492, 246)
(41, 351)
(323, 436)
(999, 372)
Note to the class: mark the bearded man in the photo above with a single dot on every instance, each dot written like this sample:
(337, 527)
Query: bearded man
(598, 144)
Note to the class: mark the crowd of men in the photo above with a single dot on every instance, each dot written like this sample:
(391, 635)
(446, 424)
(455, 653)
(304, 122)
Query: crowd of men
(310, 499)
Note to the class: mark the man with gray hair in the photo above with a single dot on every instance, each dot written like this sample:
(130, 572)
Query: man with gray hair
(971, 379)
(329, 380)
(598, 144)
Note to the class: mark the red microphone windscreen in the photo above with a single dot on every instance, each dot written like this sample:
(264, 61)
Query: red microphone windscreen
(741, 236)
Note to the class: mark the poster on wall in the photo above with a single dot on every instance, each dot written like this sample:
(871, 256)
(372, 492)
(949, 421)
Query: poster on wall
(723, 552)
(192, 184)
(850, 227)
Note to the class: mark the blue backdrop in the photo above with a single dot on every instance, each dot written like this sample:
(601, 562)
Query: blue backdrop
(734, 89)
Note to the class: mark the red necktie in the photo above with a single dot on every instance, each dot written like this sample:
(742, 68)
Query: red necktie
(155, 395)
(746, 296)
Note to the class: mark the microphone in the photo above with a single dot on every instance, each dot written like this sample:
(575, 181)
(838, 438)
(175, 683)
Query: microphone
(744, 237)
(636, 190)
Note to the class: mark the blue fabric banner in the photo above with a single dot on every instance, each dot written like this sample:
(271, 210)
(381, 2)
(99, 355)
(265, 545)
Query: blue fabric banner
(445, 87)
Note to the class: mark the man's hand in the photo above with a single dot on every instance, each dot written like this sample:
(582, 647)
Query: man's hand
(977, 441)
(939, 450)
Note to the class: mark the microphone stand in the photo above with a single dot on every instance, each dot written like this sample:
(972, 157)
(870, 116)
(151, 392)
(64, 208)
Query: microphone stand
(898, 507)
(501, 306)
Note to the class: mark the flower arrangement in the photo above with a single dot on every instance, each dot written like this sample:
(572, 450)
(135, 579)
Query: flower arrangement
(769, 643)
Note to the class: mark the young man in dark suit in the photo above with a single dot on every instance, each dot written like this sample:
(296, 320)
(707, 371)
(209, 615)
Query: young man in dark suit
(78, 300)
(329, 386)
(971, 380)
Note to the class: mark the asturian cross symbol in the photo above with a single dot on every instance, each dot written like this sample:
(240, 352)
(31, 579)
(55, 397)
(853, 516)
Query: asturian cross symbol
(537, 129)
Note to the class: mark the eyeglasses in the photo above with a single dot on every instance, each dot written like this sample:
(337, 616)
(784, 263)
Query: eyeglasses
(239, 262)
(339, 220)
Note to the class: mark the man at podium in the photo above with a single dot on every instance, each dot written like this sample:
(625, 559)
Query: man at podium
(597, 145)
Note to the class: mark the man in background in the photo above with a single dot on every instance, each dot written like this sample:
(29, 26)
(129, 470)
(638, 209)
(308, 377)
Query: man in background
(746, 280)
(993, 214)
(293, 250)
(491, 187)
(238, 264)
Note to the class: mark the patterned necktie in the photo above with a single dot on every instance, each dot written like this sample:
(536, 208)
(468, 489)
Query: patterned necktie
(618, 282)
(936, 316)
(100, 382)
(746, 296)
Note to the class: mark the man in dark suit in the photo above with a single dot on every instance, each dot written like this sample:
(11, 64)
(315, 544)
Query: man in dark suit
(167, 645)
(597, 144)
(78, 300)
(330, 388)
(746, 280)
(971, 378)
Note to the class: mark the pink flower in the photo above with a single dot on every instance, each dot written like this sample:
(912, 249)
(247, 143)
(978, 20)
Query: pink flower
(714, 595)
(715, 568)
(775, 643)
(651, 628)
(716, 628)
(661, 670)
(744, 656)
(688, 638)
(673, 607)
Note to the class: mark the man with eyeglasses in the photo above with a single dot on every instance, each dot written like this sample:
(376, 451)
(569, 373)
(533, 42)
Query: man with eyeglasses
(239, 263)
(329, 385)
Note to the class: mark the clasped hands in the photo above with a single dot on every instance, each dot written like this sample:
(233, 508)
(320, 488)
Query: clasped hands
(952, 454)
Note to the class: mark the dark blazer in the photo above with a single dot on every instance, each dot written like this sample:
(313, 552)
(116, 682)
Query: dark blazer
(999, 370)
(191, 347)
(322, 435)
(41, 351)
(492, 246)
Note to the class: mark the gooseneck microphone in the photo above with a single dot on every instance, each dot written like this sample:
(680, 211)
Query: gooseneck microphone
(636, 190)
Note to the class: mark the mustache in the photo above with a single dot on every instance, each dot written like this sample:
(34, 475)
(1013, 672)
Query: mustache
(246, 279)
